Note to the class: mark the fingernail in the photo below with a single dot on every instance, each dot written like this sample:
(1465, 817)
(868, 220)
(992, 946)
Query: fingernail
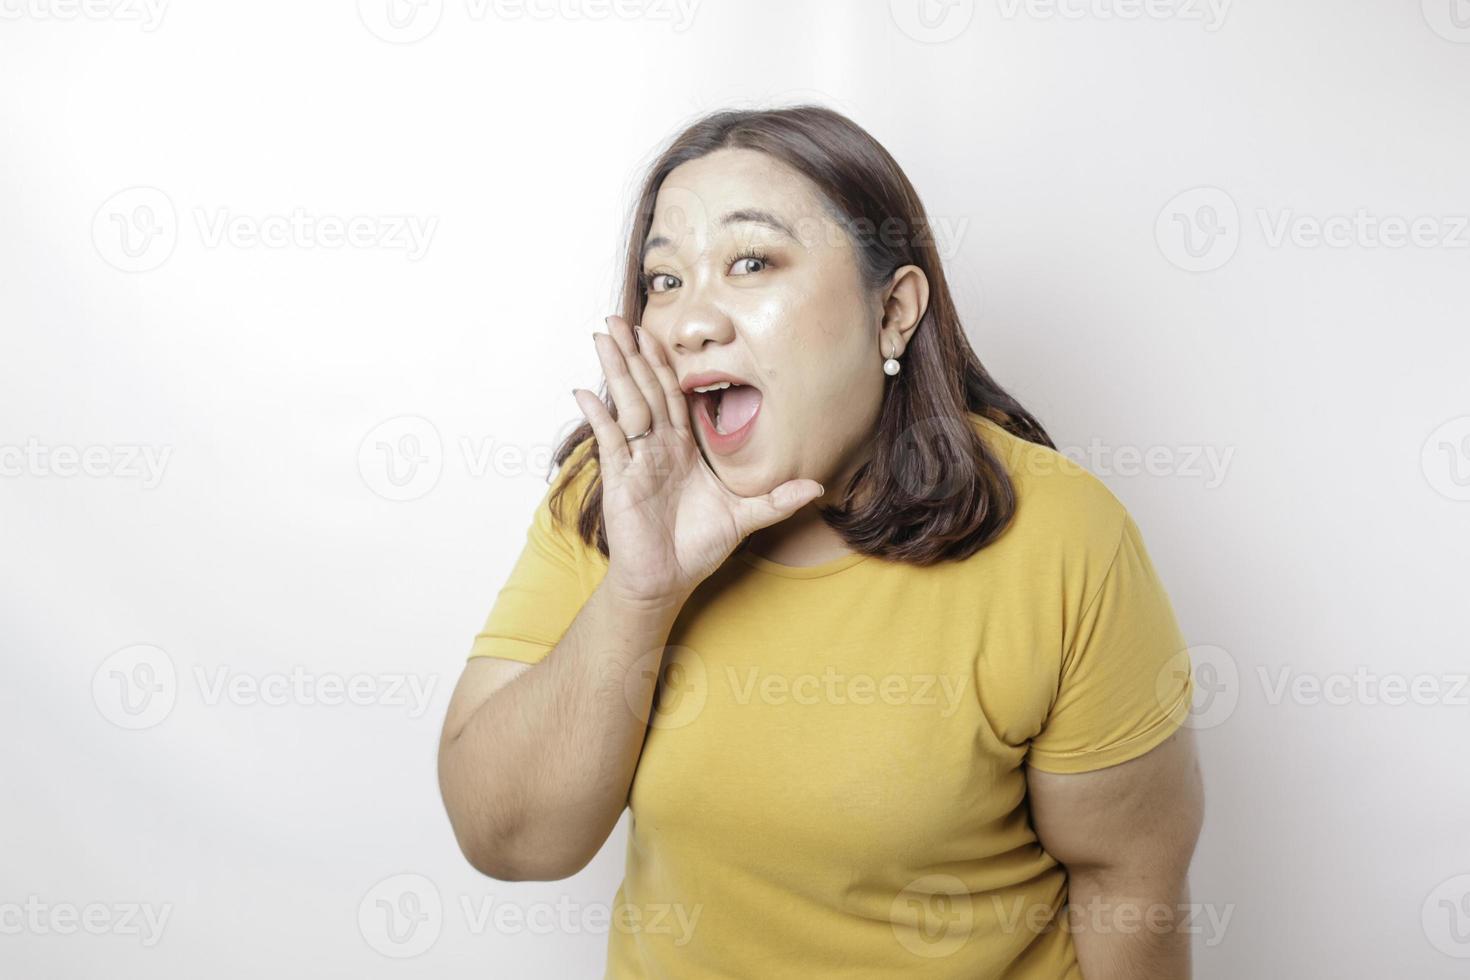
(638, 337)
(607, 320)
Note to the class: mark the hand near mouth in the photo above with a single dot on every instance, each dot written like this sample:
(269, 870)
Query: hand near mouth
(670, 520)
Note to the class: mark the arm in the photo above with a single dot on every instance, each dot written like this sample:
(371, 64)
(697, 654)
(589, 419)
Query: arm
(1126, 835)
(535, 761)
(535, 764)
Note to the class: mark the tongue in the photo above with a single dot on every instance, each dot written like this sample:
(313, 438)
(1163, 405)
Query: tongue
(737, 406)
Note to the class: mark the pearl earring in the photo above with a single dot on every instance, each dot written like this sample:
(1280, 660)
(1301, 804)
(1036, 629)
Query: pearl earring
(890, 366)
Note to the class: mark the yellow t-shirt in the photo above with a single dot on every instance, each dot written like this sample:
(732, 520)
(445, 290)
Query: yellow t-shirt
(833, 780)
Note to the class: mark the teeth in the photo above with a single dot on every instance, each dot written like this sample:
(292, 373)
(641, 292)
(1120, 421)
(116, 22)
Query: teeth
(714, 387)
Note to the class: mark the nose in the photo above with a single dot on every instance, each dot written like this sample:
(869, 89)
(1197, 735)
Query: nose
(698, 324)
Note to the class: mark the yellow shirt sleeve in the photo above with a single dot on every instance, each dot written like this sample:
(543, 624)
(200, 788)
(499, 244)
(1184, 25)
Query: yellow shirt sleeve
(548, 585)
(1125, 681)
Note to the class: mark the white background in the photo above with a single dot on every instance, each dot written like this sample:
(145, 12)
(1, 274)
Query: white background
(1328, 381)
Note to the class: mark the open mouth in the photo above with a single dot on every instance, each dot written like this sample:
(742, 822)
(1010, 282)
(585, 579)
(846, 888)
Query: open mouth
(729, 409)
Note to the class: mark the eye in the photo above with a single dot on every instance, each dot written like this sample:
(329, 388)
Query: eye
(747, 255)
(651, 280)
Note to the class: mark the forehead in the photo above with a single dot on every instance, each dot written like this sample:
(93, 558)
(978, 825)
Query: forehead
(698, 198)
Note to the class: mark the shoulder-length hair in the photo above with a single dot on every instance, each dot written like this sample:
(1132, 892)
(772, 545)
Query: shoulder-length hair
(933, 490)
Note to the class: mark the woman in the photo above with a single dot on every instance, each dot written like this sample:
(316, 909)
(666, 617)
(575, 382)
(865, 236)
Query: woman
(885, 679)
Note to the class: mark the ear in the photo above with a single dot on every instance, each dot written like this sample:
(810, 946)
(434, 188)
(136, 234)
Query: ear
(904, 302)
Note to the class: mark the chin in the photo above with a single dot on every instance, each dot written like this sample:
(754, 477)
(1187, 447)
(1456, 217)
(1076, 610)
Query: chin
(743, 480)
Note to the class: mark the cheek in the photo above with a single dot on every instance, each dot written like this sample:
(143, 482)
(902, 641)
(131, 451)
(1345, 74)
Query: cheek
(653, 330)
(808, 352)
(650, 321)
(805, 322)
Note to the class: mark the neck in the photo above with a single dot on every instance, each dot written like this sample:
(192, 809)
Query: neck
(804, 538)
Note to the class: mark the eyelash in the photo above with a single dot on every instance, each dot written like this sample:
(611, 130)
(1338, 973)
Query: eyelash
(646, 278)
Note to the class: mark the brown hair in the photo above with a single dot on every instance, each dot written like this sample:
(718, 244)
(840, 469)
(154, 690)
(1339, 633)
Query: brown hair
(932, 490)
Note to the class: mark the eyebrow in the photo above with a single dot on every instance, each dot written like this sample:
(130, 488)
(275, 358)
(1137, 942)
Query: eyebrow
(752, 216)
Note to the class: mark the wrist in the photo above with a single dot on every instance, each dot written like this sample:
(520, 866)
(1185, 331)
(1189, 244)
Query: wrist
(638, 601)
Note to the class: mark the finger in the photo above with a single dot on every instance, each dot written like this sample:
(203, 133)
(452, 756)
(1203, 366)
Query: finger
(612, 445)
(754, 513)
(633, 415)
(643, 376)
(674, 399)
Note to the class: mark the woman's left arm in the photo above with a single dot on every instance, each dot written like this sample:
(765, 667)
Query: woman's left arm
(1126, 835)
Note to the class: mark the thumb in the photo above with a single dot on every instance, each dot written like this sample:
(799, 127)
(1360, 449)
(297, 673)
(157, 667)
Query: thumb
(771, 508)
